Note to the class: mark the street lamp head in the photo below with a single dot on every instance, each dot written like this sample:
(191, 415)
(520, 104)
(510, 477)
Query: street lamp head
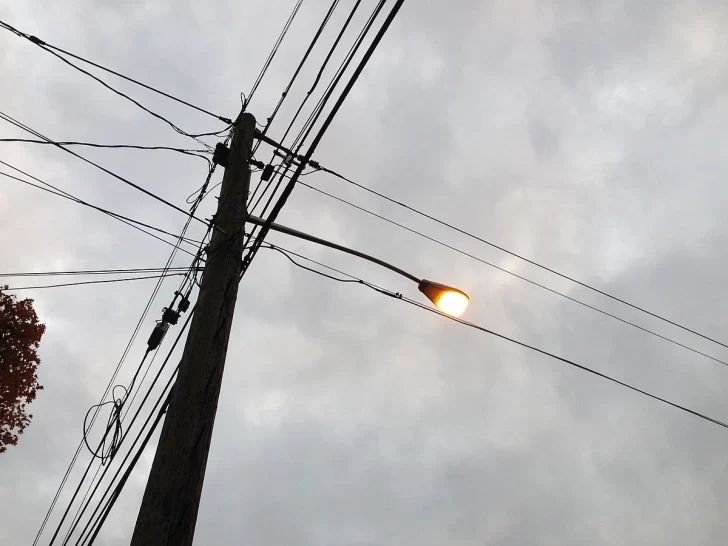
(448, 299)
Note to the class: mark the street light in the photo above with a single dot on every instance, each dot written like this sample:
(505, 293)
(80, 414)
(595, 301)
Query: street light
(446, 298)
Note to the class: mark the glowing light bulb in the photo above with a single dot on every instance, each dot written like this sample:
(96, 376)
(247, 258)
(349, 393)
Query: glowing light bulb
(453, 303)
(448, 299)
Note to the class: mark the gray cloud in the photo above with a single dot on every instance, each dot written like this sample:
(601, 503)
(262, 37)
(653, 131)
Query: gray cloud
(583, 134)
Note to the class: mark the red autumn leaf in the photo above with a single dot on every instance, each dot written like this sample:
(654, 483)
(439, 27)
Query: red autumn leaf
(20, 334)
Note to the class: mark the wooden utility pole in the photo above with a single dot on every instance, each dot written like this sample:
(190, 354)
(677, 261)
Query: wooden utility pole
(168, 512)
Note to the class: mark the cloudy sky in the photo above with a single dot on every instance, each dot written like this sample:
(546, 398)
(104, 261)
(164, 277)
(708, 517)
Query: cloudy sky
(589, 136)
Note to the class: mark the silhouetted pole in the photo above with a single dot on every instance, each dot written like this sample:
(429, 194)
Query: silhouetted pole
(168, 512)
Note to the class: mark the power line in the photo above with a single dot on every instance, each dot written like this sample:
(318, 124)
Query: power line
(124, 355)
(123, 219)
(317, 138)
(521, 257)
(262, 136)
(83, 507)
(319, 107)
(79, 283)
(273, 52)
(94, 272)
(311, 45)
(107, 171)
(516, 275)
(582, 367)
(45, 45)
(321, 70)
(186, 151)
(314, 114)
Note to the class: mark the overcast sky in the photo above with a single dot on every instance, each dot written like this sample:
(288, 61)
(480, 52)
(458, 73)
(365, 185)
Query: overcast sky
(589, 136)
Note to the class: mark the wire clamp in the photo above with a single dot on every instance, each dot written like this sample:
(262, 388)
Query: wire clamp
(221, 154)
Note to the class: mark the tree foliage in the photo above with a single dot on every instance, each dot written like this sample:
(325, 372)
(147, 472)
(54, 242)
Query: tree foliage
(20, 334)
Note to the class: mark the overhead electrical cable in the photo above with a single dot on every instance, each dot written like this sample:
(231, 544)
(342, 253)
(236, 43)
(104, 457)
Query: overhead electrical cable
(123, 219)
(89, 496)
(313, 117)
(133, 337)
(525, 259)
(581, 367)
(107, 171)
(272, 54)
(319, 135)
(311, 45)
(99, 281)
(93, 272)
(303, 102)
(516, 275)
(47, 47)
(185, 151)
(281, 174)
(321, 70)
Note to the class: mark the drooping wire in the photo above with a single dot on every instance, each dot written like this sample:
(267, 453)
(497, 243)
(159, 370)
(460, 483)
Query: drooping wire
(272, 54)
(65, 195)
(53, 50)
(116, 372)
(166, 389)
(101, 281)
(122, 482)
(516, 275)
(104, 512)
(581, 367)
(183, 291)
(127, 78)
(93, 272)
(18, 124)
(185, 151)
(523, 258)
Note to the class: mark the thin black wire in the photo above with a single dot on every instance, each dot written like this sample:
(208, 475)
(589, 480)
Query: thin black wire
(185, 151)
(567, 361)
(44, 45)
(319, 107)
(321, 70)
(102, 281)
(107, 171)
(82, 507)
(317, 110)
(319, 135)
(286, 254)
(123, 219)
(343, 66)
(400, 297)
(93, 272)
(272, 54)
(165, 389)
(534, 283)
(109, 504)
(520, 257)
(116, 372)
(52, 50)
(311, 45)
(191, 272)
(301, 105)
(125, 477)
(117, 419)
